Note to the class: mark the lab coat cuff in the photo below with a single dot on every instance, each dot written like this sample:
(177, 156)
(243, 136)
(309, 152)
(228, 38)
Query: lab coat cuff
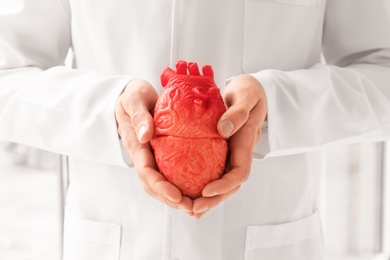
(263, 148)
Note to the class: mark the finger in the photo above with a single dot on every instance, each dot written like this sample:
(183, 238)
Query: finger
(227, 183)
(125, 127)
(122, 118)
(146, 168)
(144, 162)
(157, 186)
(239, 172)
(239, 163)
(204, 204)
(165, 188)
(199, 215)
(184, 204)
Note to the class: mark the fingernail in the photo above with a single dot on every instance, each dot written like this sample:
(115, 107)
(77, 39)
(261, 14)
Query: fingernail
(210, 194)
(141, 131)
(202, 209)
(227, 127)
(173, 199)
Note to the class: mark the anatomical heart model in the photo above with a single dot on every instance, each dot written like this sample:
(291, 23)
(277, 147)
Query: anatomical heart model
(188, 149)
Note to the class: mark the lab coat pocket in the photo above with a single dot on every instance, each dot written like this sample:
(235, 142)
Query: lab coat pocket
(298, 240)
(279, 34)
(86, 239)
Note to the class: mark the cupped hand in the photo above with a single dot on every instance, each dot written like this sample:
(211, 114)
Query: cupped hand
(135, 127)
(242, 122)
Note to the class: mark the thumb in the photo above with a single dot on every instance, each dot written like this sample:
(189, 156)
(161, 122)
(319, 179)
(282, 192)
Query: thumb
(245, 98)
(232, 120)
(142, 122)
(138, 101)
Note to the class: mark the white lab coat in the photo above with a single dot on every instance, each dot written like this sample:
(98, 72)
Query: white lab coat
(311, 105)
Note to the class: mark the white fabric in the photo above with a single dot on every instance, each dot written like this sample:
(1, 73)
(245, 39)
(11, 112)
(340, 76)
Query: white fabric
(280, 42)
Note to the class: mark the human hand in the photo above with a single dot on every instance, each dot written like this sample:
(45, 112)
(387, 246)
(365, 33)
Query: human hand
(135, 127)
(242, 122)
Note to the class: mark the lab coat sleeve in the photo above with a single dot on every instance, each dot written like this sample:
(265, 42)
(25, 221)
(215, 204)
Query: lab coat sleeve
(46, 105)
(346, 100)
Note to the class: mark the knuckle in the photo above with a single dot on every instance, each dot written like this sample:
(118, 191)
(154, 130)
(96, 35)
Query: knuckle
(128, 138)
(235, 190)
(148, 190)
(142, 175)
(136, 118)
(241, 112)
(245, 178)
(228, 98)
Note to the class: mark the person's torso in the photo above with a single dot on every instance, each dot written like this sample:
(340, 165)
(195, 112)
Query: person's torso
(274, 215)
(141, 37)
